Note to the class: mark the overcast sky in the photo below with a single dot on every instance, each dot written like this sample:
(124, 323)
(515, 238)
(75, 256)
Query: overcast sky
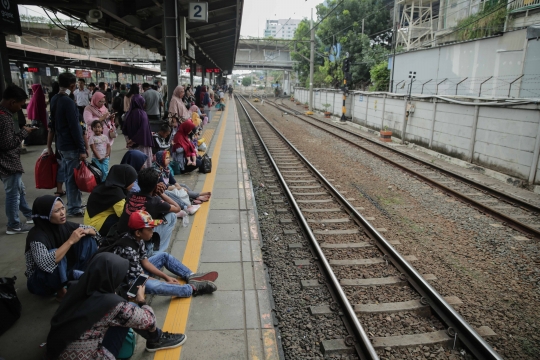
(256, 12)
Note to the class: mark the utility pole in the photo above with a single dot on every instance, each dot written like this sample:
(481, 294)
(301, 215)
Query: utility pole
(394, 45)
(311, 64)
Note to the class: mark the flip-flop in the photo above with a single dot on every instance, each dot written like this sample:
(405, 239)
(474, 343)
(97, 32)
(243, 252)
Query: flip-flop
(60, 194)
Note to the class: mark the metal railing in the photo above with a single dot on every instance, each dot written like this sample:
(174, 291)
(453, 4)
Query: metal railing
(523, 4)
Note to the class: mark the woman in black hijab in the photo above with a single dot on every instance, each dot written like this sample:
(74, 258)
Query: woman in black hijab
(92, 321)
(107, 200)
(56, 250)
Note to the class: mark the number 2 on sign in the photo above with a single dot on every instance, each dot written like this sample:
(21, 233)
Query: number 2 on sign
(198, 9)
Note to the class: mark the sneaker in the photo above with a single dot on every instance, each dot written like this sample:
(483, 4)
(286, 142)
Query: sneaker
(203, 276)
(31, 222)
(166, 341)
(22, 229)
(202, 287)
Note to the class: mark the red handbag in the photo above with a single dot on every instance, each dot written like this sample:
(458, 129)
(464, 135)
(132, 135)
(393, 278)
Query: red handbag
(84, 178)
(45, 171)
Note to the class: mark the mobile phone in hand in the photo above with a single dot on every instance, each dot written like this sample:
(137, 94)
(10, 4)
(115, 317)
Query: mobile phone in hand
(141, 280)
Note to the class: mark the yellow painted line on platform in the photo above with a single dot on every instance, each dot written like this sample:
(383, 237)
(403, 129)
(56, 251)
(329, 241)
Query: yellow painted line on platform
(177, 315)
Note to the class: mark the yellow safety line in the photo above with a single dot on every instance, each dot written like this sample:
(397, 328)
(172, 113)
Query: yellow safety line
(177, 315)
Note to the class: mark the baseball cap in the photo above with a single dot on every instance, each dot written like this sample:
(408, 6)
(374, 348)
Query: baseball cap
(142, 219)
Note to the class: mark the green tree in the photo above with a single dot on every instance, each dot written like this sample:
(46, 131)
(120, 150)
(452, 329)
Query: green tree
(380, 76)
(246, 81)
(344, 26)
(300, 50)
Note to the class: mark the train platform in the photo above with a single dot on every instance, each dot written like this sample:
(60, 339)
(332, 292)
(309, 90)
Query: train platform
(235, 322)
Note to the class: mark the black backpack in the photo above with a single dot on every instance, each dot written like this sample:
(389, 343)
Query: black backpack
(118, 103)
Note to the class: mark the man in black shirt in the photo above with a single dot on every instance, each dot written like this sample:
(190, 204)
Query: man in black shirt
(153, 200)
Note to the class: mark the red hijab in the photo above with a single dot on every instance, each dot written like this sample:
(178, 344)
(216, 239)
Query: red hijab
(37, 108)
(181, 139)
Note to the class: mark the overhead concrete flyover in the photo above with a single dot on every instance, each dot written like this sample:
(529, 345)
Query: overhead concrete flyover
(263, 54)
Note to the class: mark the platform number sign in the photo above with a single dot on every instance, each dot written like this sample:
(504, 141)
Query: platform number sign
(198, 11)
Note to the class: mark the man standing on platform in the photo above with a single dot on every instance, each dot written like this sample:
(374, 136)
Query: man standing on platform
(82, 97)
(69, 139)
(11, 168)
(153, 104)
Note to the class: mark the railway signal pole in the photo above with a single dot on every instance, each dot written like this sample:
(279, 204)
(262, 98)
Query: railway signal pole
(311, 63)
(346, 70)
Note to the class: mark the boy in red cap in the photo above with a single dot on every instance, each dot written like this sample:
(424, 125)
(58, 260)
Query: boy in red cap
(132, 247)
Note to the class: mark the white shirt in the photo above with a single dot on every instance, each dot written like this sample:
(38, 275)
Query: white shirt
(82, 97)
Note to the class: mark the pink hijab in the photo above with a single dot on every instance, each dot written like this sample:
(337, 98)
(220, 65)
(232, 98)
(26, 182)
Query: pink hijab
(177, 105)
(37, 108)
(94, 105)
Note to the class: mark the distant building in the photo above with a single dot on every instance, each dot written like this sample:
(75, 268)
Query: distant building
(281, 29)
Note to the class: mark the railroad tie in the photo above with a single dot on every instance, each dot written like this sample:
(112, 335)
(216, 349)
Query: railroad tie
(351, 262)
(390, 280)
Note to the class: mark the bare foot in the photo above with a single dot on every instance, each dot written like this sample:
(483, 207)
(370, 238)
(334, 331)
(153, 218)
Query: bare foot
(203, 198)
(208, 193)
(197, 201)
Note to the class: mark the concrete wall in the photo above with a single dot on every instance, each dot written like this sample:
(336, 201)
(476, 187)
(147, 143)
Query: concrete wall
(506, 139)
(473, 62)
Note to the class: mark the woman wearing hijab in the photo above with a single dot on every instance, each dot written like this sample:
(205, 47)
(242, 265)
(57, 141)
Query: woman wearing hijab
(136, 128)
(107, 200)
(92, 321)
(136, 160)
(133, 90)
(206, 103)
(197, 95)
(97, 111)
(37, 107)
(56, 250)
(177, 105)
(183, 147)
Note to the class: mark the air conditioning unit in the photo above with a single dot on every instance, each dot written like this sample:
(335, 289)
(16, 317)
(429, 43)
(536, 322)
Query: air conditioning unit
(94, 15)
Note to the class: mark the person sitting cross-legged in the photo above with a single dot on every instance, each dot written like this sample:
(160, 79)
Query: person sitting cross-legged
(92, 321)
(131, 246)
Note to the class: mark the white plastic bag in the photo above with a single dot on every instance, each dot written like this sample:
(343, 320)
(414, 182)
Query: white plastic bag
(183, 195)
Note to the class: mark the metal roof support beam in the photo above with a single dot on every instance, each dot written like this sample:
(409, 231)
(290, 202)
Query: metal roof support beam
(171, 44)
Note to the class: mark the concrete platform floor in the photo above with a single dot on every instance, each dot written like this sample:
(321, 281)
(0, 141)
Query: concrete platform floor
(233, 323)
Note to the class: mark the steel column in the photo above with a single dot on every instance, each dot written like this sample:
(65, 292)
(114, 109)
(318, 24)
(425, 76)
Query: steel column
(171, 45)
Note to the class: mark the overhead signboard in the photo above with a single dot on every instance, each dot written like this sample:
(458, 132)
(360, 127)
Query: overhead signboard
(191, 51)
(10, 22)
(83, 73)
(198, 11)
(43, 71)
(77, 38)
(213, 70)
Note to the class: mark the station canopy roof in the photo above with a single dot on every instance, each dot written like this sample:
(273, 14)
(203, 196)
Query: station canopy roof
(141, 22)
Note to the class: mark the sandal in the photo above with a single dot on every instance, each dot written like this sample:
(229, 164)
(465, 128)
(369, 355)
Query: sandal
(60, 194)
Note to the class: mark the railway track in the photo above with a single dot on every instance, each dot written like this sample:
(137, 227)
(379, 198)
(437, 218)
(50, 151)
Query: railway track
(511, 211)
(343, 240)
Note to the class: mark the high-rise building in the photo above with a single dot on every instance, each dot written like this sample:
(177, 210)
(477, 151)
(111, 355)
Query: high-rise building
(281, 29)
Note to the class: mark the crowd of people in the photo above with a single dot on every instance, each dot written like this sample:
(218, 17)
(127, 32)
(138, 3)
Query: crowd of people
(129, 217)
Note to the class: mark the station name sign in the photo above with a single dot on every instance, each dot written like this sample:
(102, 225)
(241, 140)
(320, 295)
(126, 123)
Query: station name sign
(10, 22)
(83, 73)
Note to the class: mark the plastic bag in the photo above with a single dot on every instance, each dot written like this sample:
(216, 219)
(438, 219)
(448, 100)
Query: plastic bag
(10, 306)
(202, 147)
(84, 178)
(45, 171)
(182, 194)
(206, 164)
(185, 221)
(128, 346)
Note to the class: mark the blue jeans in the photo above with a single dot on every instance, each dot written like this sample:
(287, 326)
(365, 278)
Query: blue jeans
(45, 284)
(156, 287)
(15, 199)
(177, 200)
(70, 161)
(165, 231)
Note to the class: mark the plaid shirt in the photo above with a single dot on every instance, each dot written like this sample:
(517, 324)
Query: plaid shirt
(10, 144)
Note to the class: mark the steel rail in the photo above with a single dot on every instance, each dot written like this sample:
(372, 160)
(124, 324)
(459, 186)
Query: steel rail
(466, 334)
(368, 352)
(507, 220)
(480, 187)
